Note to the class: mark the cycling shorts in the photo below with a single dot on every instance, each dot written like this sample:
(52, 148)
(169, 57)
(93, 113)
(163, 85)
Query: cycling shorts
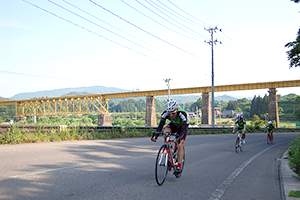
(174, 129)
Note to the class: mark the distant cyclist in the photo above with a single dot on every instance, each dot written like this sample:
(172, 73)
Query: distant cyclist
(270, 127)
(240, 123)
(178, 124)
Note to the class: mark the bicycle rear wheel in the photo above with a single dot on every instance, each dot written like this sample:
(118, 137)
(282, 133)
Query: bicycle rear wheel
(162, 165)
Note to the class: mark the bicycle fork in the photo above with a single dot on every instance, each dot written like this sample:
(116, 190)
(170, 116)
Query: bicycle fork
(165, 158)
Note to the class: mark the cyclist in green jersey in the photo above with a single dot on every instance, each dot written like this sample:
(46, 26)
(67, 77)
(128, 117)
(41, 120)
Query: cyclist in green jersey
(240, 123)
(270, 127)
(179, 123)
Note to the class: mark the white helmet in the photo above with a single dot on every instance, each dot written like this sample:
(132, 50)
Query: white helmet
(171, 106)
(270, 122)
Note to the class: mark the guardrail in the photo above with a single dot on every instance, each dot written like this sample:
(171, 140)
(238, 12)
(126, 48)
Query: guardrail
(46, 128)
(35, 128)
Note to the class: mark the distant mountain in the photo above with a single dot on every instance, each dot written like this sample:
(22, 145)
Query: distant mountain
(105, 90)
(225, 98)
(61, 92)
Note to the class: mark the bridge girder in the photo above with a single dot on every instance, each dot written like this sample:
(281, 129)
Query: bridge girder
(53, 107)
(88, 104)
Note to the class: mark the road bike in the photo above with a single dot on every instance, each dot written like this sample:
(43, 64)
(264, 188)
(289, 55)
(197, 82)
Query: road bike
(239, 141)
(270, 139)
(166, 159)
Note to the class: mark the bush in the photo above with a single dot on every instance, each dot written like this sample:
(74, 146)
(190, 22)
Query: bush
(294, 156)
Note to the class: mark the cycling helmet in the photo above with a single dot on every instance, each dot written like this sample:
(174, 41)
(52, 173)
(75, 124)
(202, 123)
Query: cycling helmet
(240, 117)
(171, 106)
(270, 122)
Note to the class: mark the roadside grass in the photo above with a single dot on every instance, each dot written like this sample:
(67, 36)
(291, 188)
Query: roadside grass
(17, 135)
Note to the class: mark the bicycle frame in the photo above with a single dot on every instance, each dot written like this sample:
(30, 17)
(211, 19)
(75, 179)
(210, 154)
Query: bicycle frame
(166, 158)
(269, 138)
(239, 145)
(169, 149)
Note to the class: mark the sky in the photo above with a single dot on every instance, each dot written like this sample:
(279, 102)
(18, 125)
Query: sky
(138, 44)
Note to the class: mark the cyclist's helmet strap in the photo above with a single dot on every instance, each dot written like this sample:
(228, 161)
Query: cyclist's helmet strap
(171, 106)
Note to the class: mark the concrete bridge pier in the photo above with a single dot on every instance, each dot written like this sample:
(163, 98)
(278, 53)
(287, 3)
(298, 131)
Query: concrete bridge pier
(104, 120)
(150, 112)
(206, 109)
(273, 106)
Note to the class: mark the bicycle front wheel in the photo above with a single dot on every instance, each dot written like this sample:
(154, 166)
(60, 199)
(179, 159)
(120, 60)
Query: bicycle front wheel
(241, 145)
(268, 139)
(237, 144)
(162, 165)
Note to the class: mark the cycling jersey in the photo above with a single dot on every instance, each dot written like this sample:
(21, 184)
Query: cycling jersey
(270, 127)
(240, 124)
(179, 124)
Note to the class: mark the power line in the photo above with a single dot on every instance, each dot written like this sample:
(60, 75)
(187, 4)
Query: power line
(191, 22)
(235, 43)
(186, 12)
(157, 21)
(101, 26)
(93, 32)
(144, 30)
(112, 25)
(170, 18)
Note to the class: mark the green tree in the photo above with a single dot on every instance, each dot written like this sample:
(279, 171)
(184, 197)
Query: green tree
(230, 105)
(294, 52)
(236, 106)
(297, 114)
(194, 105)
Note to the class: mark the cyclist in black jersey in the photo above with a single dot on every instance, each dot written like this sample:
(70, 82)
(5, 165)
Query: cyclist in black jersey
(179, 123)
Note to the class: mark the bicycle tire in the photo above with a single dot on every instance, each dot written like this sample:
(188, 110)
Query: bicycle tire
(268, 139)
(241, 145)
(182, 164)
(237, 144)
(162, 165)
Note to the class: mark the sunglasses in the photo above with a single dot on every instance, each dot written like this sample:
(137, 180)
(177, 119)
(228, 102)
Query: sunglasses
(172, 113)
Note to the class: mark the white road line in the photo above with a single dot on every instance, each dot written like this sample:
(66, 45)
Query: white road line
(219, 192)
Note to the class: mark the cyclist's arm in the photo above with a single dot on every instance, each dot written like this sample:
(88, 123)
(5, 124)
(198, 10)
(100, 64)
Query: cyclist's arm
(160, 126)
(234, 127)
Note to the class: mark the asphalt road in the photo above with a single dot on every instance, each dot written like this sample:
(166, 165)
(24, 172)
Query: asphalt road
(124, 169)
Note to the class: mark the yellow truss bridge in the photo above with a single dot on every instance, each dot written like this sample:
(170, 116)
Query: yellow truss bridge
(98, 103)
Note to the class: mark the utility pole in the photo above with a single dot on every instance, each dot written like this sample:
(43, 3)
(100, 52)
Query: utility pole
(212, 42)
(168, 84)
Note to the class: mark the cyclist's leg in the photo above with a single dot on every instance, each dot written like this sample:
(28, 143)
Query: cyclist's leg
(271, 133)
(181, 150)
(167, 129)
